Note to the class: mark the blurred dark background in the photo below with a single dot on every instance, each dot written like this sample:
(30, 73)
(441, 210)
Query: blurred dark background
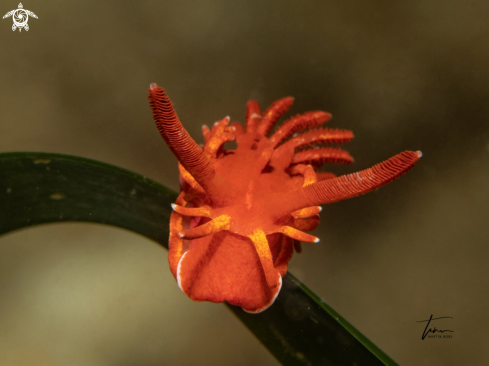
(401, 75)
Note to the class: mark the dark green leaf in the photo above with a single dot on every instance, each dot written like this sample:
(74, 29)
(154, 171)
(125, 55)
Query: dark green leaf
(36, 188)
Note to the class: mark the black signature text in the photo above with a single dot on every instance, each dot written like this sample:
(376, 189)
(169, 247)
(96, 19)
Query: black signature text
(433, 330)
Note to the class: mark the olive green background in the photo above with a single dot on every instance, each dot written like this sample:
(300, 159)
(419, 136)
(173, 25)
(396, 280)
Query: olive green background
(401, 75)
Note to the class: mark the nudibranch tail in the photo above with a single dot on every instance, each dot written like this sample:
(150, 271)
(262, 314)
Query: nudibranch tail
(241, 213)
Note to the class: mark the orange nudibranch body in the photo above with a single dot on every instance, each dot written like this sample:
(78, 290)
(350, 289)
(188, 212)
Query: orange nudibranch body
(241, 213)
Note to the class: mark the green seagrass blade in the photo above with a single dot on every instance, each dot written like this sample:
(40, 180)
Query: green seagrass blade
(36, 188)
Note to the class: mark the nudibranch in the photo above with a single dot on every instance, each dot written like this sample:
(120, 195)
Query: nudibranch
(241, 213)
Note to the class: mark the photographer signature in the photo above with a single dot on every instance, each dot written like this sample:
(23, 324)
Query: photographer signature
(433, 330)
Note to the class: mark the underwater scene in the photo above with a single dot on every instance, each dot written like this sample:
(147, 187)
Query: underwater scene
(267, 121)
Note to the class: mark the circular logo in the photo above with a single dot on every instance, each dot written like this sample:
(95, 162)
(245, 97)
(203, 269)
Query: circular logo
(20, 17)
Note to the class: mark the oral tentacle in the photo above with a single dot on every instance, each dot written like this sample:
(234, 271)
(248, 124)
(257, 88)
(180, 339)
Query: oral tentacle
(187, 177)
(203, 211)
(298, 235)
(304, 213)
(263, 250)
(177, 245)
(220, 223)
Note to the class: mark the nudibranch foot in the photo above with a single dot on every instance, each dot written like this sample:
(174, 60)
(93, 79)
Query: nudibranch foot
(241, 213)
(227, 267)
